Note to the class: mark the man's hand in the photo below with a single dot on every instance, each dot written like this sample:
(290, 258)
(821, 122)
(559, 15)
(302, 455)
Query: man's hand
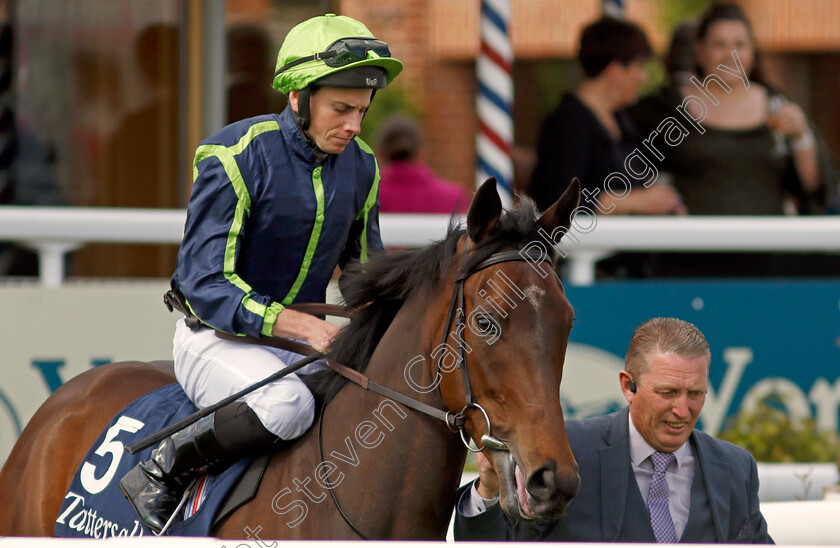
(488, 479)
(318, 333)
(322, 335)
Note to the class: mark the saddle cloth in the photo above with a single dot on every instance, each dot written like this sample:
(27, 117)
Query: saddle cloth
(94, 506)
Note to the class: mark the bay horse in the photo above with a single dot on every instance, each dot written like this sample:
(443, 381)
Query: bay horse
(391, 472)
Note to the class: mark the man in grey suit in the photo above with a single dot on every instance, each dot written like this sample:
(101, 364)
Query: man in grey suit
(646, 474)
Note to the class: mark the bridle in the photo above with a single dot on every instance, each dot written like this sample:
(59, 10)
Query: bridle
(456, 309)
(455, 422)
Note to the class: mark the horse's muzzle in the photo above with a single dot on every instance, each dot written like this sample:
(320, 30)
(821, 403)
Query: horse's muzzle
(551, 490)
(544, 494)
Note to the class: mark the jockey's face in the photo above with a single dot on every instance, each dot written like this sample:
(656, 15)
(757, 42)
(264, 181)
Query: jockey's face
(335, 115)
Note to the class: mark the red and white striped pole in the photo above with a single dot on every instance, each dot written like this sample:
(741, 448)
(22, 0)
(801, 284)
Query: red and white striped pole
(495, 98)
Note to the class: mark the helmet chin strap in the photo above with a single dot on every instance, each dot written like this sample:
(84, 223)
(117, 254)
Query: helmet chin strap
(302, 120)
(301, 117)
(320, 155)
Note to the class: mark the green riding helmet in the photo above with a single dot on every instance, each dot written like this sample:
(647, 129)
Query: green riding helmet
(332, 50)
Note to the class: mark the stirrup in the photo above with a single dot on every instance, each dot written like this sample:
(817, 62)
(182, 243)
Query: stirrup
(139, 488)
(156, 487)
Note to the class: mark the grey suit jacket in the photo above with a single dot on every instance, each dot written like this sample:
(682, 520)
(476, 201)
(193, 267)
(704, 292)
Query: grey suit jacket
(601, 446)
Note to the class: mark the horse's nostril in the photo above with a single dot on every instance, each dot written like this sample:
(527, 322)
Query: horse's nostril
(542, 484)
(546, 484)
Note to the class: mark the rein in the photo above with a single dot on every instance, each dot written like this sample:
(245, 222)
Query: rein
(455, 422)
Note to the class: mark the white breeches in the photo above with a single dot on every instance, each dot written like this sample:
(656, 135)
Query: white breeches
(210, 369)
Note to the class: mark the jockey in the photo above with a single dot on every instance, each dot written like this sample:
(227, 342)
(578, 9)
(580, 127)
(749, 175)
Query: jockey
(278, 201)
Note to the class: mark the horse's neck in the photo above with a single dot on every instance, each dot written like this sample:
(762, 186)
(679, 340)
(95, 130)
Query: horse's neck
(406, 472)
(406, 484)
(395, 470)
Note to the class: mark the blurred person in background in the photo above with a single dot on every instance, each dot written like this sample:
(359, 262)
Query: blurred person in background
(249, 59)
(408, 185)
(140, 161)
(587, 136)
(680, 64)
(758, 147)
(147, 178)
(757, 155)
(27, 165)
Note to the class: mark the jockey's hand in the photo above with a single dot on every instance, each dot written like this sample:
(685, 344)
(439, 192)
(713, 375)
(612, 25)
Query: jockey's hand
(318, 333)
(488, 479)
(322, 335)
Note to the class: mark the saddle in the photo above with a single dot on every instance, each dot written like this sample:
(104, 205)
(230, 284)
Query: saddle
(95, 507)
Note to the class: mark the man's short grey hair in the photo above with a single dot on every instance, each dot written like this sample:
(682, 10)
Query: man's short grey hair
(664, 336)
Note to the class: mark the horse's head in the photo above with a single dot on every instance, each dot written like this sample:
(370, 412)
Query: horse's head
(514, 327)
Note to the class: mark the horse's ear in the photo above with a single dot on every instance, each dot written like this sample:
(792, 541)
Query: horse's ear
(485, 210)
(560, 213)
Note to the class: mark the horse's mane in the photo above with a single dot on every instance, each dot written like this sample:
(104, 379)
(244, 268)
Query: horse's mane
(380, 286)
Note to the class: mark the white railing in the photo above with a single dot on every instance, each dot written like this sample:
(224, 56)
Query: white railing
(809, 523)
(54, 231)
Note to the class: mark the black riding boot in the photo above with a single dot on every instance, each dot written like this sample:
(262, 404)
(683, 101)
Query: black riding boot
(155, 487)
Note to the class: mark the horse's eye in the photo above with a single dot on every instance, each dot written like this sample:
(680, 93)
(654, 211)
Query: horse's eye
(483, 322)
(484, 325)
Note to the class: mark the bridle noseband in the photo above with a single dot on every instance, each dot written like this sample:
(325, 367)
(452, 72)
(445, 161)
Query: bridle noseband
(456, 309)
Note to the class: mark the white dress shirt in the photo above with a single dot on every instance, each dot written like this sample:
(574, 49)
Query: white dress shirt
(679, 476)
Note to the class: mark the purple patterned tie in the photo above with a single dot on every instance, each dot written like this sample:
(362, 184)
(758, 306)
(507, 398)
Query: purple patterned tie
(660, 514)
